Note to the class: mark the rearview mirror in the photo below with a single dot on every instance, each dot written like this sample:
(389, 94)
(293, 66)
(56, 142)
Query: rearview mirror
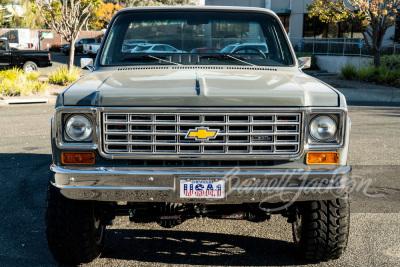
(87, 63)
(304, 62)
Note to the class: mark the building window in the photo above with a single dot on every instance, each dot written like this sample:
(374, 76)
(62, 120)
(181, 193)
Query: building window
(285, 19)
(314, 28)
(234, 30)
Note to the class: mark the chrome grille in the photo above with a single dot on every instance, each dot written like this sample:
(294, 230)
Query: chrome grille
(165, 133)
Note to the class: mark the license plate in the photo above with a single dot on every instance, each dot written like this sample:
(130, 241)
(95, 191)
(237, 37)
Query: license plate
(202, 189)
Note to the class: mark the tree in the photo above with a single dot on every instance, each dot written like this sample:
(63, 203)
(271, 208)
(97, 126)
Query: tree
(66, 17)
(373, 16)
(103, 14)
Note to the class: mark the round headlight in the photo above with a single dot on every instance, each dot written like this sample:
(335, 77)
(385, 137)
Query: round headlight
(323, 128)
(78, 127)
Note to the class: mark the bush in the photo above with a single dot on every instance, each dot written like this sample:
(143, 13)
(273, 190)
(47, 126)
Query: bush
(62, 76)
(55, 48)
(349, 72)
(382, 75)
(15, 82)
(392, 62)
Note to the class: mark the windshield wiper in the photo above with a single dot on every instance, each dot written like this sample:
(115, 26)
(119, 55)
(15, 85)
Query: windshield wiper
(149, 58)
(228, 57)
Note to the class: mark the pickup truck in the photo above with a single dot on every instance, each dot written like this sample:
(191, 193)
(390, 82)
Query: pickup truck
(91, 49)
(28, 60)
(79, 45)
(167, 137)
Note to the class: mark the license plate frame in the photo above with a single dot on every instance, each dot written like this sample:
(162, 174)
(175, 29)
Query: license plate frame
(201, 189)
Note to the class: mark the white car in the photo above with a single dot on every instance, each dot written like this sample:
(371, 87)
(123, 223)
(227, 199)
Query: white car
(247, 48)
(156, 48)
(129, 45)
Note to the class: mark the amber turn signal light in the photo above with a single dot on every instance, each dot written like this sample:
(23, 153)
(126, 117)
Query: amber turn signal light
(78, 158)
(314, 158)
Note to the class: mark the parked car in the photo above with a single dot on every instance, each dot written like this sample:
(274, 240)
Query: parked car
(131, 44)
(28, 60)
(65, 48)
(205, 50)
(168, 138)
(156, 48)
(91, 49)
(79, 43)
(247, 48)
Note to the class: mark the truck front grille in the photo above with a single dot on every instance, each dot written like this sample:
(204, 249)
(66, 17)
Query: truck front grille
(166, 133)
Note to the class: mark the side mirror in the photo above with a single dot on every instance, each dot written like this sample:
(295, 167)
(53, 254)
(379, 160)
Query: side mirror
(304, 62)
(87, 63)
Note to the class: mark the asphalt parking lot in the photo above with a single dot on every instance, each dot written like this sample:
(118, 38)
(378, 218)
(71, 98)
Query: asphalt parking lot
(25, 156)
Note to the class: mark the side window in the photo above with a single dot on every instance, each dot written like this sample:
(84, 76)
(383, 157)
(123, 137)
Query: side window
(169, 48)
(83, 41)
(2, 46)
(91, 41)
(159, 48)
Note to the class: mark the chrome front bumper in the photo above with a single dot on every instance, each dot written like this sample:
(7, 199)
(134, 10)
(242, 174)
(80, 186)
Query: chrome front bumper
(245, 185)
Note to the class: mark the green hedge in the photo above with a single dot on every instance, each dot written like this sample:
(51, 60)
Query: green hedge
(387, 74)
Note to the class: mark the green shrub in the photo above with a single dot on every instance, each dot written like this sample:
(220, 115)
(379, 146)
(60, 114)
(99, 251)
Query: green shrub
(367, 74)
(55, 48)
(15, 82)
(392, 62)
(382, 75)
(63, 77)
(349, 72)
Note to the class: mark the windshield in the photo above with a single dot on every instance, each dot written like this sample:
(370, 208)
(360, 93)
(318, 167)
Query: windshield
(196, 38)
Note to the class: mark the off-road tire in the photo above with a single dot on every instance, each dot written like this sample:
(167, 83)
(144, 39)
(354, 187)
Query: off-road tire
(72, 235)
(321, 229)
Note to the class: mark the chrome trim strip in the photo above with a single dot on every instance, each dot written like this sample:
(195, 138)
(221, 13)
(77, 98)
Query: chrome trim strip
(189, 172)
(116, 188)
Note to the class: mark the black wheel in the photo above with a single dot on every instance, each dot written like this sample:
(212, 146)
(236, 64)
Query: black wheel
(30, 66)
(74, 232)
(321, 229)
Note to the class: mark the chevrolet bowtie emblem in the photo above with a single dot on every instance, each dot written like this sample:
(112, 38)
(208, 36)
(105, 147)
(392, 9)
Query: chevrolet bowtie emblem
(201, 133)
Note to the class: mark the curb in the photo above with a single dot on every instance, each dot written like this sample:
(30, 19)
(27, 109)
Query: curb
(26, 101)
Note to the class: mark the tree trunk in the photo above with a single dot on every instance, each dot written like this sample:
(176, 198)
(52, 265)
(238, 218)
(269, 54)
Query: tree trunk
(377, 58)
(71, 55)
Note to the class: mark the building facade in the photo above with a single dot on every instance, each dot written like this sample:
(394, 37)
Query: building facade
(294, 16)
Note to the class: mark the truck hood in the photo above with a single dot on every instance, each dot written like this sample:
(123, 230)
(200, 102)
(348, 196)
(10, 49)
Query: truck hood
(173, 87)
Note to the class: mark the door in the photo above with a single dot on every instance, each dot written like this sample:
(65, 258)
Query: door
(5, 54)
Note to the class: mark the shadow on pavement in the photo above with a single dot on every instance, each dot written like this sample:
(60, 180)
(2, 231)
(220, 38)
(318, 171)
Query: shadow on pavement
(197, 248)
(23, 179)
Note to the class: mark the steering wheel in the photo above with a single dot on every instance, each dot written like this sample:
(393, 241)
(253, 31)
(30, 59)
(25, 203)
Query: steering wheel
(261, 53)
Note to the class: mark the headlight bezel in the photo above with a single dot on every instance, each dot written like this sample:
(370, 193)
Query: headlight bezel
(339, 116)
(67, 135)
(58, 135)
